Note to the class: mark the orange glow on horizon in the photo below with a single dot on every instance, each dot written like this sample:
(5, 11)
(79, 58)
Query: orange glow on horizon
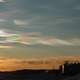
(8, 64)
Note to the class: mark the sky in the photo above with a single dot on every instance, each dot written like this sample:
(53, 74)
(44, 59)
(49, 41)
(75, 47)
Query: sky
(39, 28)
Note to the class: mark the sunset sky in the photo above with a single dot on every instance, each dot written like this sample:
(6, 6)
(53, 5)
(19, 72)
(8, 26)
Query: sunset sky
(39, 28)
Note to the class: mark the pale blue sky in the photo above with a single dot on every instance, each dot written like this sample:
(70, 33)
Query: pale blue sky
(52, 27)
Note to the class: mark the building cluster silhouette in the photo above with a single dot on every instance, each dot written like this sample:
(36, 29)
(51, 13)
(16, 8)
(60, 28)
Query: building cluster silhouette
(67, 68)
(70, 68)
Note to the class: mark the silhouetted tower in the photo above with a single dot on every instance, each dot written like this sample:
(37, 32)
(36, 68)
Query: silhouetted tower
(61, 69)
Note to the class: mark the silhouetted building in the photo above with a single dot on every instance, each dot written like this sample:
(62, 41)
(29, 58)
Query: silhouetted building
(71, 68)
(61, 69)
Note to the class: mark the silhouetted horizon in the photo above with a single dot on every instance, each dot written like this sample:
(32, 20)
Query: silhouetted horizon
(65, 70)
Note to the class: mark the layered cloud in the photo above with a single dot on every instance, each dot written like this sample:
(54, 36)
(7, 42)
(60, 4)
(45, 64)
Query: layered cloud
(35, 38)
(20, 22)
(55, 42)
(5, 47)
(75, 41)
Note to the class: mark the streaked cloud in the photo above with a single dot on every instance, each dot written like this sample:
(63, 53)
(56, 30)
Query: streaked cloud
(27, 40)
(5, 47)
(3, 20)
(20, 22)
(35, 38)
(2, 1)
(76, 41)
(37, 34)
(55, 42)
(3, 33)
(45, 41)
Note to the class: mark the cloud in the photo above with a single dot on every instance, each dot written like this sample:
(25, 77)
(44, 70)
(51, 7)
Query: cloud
(20, 22)
(35, 38)
(29, 40)
(47, 41)
(75, 41)
(3, 33)
(3, 20)
(55, 42)
(2, 1)
(6, 37)
(36, 34)
(5, 47)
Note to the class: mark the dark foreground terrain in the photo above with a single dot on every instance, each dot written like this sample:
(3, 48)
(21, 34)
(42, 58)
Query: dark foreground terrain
(65, 72)
(36, 75)
(30, 75)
